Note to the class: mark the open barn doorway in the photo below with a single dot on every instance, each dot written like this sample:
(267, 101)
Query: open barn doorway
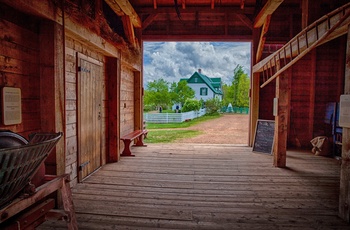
(216, 72)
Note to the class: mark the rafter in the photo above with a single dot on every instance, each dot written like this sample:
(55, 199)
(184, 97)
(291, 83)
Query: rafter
(148, 20)
(203, 9)
(245, 20)
(122, 8)
(262, 38)
(128, 29)
(268, 9)
(242, 4)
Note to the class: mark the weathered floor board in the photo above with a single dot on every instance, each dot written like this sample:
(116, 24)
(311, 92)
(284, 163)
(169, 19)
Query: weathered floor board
(172, 186)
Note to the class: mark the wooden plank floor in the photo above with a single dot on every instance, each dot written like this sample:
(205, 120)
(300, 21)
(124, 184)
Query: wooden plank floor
(186, 186)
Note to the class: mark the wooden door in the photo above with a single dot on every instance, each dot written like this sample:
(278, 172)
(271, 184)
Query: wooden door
(89, 115)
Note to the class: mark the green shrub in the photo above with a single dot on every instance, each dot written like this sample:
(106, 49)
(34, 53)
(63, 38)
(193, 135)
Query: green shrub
(213, 105)
(148, 108)
(191, 105)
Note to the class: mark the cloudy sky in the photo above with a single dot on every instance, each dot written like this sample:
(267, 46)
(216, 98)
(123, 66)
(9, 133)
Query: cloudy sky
(174, 60)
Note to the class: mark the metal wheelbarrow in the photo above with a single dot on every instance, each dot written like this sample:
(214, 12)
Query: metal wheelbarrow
(20, 159)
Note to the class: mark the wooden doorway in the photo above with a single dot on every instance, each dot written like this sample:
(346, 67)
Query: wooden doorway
(89, 101)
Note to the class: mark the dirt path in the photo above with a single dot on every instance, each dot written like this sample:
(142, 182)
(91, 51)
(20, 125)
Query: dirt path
(228, 129)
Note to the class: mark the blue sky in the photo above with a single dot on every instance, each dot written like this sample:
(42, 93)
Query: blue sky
(174, 60)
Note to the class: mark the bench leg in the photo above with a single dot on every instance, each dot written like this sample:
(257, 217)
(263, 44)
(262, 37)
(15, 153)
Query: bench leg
(127, 151)
(139, 142)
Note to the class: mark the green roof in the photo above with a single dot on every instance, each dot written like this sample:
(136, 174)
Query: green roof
(212, 83)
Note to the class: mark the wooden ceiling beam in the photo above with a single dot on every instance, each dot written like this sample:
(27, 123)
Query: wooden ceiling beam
(128, 29)
(262, 39)
(204, 37)
(242, 4)
(268, 9)
(148, 20)
(167, 10)
(122, 8)
(245, 20)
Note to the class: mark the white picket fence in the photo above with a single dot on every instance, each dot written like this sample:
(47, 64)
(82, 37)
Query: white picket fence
(172, 117)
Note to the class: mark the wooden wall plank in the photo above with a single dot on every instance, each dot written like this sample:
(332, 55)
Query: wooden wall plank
(127, 103)
(19, 67)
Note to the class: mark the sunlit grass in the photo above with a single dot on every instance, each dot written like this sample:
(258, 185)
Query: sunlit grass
(167, 136)
(183, 124)
(157, 135)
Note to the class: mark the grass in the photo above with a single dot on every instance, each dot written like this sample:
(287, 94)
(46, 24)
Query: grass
(157, 135)
(185, 124)
(167, 136)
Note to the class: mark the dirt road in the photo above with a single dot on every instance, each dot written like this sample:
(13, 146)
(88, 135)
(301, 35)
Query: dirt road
(228, 129)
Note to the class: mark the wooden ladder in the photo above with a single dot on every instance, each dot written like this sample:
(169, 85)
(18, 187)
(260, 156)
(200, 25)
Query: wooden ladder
(321, 31)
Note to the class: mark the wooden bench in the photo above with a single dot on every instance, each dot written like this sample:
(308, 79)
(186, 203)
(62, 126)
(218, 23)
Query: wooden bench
(139, 135)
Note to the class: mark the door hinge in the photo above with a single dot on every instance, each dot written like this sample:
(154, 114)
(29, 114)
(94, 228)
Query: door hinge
(83, 165)
(82, 69)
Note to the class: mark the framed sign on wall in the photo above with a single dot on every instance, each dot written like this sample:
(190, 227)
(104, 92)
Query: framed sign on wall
(11, 106)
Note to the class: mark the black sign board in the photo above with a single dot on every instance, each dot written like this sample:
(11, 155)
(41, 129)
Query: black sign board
(264, 136)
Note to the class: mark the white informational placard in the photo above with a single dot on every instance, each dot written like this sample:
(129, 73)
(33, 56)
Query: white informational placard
(344, 111)
(11, 106)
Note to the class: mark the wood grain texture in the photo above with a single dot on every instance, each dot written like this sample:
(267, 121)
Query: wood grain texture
(168, 186)
(344, 196)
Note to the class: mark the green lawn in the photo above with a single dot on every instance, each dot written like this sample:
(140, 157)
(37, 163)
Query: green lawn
(167, 136)
(157, 135)
(185, 124)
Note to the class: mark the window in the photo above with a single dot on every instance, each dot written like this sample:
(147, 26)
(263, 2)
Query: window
(195, 80)
(204, 91)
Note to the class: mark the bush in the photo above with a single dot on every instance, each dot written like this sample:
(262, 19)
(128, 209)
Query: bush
(213, 105)
(191, 105)
(148, 108)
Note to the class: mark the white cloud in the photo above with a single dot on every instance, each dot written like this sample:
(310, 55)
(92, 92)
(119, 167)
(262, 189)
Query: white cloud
(174, 60)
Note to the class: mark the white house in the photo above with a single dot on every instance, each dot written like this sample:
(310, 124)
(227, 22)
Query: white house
(204, 87)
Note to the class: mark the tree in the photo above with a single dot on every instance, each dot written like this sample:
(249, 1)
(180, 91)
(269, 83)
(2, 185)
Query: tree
(157, 93)
(180, 92)
(228, 94)
(191, 105)
(238, 93)
(240, 85)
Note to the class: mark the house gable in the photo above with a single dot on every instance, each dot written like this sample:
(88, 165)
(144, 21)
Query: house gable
(212, 83)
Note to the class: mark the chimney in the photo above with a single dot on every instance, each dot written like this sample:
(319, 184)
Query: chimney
(200, 71)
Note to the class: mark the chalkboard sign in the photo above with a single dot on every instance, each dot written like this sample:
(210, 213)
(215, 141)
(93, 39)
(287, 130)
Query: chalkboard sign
(264, 136)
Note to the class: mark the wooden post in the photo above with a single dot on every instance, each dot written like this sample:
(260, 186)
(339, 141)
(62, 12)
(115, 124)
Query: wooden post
(254, 90)
(138, 108)
(344, 193)
(52, 102)
(254, 105)
(113, 71)
(281, 121)
(312, 80)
